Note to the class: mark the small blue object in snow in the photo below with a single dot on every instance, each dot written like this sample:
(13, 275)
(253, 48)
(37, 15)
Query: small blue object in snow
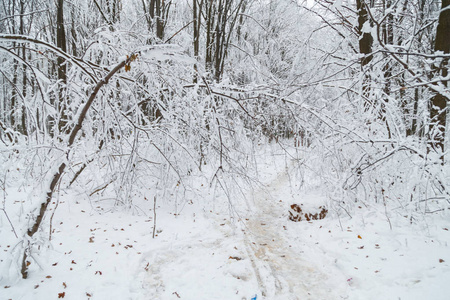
(254, 298)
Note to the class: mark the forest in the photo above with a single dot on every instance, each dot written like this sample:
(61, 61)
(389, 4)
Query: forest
(253, 126)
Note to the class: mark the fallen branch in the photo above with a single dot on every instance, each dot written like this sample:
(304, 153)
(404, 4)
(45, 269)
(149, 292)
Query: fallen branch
(62, 166)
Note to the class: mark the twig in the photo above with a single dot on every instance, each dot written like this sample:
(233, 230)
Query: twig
(4, 206)
(168, 40)
(12, 227)
(154, 216)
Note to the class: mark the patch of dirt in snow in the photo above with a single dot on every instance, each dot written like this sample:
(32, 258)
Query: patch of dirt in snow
(282, 270)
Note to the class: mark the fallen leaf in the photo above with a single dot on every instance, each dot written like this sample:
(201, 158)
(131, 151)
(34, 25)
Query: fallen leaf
(54, 264)
(359, 237)
(61, 295)
(91, 239)
(7, 286)
(362, 247)
(441, 260)
(64, 285)
(176, 294)
(89, 295)
(73, 262)
(48, 276)
(36, 286)
(235, 257)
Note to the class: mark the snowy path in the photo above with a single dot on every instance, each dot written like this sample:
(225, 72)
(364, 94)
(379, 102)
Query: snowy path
(281, 271)
(221, 262)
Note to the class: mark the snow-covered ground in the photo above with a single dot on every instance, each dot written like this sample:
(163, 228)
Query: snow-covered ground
(98, 251)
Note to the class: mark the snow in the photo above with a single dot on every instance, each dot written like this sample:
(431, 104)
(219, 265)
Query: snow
(100, 251)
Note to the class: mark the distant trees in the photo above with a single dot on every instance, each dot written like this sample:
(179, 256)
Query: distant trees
(395, 39)
(156, 15)
(218, 19)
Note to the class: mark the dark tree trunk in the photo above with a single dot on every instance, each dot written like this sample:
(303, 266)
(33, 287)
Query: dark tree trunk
(366, 39)
(438, 112)
(365, 47)
(23, 127)
(197, 19)
(62, 67)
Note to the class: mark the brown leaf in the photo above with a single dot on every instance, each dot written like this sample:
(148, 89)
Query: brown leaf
(91, 239)
(61, 295)
(64, 285)
(48, 276)
(73, 262)
(441, 260)
(89, 295)
(54, 264)
(359, 237)
(362, 247)
(235, 257)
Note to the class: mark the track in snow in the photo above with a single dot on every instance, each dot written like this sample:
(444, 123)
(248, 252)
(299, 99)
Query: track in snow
(281, 272)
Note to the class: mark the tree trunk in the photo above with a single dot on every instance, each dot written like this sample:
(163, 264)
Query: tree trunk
(365, 47)
(438, 114)
(23, 127)
(62, 67)
(197, 15)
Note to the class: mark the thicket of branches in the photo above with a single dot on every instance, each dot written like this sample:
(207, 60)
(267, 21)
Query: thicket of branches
(113, 94)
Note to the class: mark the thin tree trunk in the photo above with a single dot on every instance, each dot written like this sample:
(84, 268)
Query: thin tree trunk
(62, 68)
(23, 126)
